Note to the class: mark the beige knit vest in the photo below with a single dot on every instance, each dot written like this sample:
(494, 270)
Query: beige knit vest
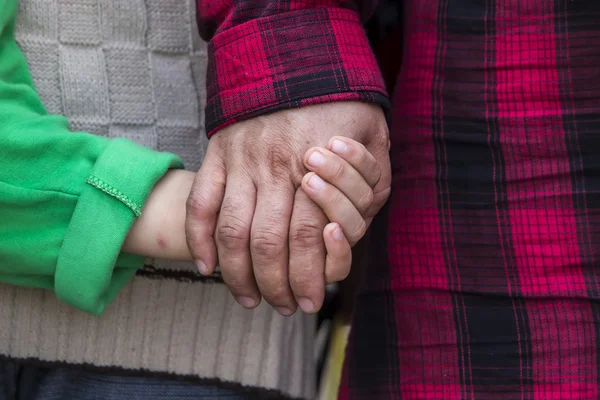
(136, 69)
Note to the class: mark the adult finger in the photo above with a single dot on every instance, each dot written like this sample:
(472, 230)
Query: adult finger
(307, 253)
(203, 205)
(269, 244)
(233, 239)
(339, 254)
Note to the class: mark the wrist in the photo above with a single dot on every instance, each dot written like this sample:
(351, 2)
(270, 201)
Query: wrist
(160, 231)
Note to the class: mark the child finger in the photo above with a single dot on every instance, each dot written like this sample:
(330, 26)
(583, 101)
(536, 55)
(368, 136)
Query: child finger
(339, 254)
(336, 206)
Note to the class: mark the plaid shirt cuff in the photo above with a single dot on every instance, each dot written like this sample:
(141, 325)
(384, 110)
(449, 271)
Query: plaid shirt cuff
(289, 60)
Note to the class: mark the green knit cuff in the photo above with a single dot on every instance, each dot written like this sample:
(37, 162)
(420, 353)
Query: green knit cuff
(117, 189)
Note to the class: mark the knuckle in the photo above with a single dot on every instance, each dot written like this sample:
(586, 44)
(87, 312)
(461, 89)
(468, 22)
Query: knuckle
(267, 244)
(381, 137)
(279, 157)
(284, 163)
(232, 234)
(196, 203)
(376, 175)
(366, 201)
(337, 198)
(306, 234)
(338, 173)
(359, 231)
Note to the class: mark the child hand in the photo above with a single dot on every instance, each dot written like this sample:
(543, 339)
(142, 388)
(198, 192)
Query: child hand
(341, 182)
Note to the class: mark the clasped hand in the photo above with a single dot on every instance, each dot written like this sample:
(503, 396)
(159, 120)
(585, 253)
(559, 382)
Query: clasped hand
(281, 198)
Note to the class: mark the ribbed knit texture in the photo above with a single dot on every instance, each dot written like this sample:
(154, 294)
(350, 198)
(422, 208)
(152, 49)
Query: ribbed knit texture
(136, 69)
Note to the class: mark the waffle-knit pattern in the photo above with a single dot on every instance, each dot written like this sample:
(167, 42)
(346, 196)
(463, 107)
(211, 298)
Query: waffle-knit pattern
(136, 69)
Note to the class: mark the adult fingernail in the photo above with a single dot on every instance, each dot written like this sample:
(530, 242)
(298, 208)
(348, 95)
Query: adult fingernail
(306, 305)
(337, 233)
(202, 267)
(337, 146)
(286, 312)
(316, 159)
(246, 302)
(316, 183)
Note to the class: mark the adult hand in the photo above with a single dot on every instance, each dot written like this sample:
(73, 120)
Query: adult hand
(248, 210)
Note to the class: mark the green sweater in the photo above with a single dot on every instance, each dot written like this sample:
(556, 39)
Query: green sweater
(67, 200)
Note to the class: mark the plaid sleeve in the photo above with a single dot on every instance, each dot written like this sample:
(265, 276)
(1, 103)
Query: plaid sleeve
(268, 55)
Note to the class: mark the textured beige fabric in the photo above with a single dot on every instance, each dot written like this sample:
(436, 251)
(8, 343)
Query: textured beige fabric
(164, 326)
(136, 69)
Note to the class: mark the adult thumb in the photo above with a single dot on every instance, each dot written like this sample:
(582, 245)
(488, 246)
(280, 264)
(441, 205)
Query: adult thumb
(203, 206)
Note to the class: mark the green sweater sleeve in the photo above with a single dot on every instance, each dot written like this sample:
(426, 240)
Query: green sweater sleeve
(67, 200)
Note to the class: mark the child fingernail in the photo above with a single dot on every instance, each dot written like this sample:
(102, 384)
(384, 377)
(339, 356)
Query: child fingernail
(316, 159)
(337, 233)
(201, 267)
(316, 183)
(337, 146)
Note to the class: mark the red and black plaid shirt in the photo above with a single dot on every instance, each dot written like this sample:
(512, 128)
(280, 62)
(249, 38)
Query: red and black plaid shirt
(485, 279)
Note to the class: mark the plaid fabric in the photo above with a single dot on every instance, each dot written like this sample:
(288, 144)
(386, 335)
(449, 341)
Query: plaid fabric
(268, 55)
(485, 280)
